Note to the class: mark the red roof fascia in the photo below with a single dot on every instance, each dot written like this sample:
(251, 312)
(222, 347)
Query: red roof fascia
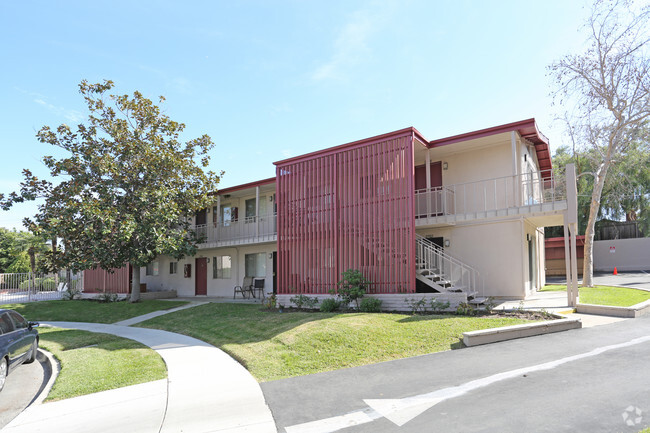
(526, 128)
(377, 138)
(228, 190)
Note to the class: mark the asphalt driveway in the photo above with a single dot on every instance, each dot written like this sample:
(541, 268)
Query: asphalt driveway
(590, 379)
(639, 279)
(22, 387)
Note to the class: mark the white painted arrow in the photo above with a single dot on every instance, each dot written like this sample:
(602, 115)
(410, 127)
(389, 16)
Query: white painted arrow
(401, 411)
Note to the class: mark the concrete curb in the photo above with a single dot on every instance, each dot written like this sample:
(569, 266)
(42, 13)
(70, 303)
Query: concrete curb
(493, 335)
(632, 312)
(55, 368)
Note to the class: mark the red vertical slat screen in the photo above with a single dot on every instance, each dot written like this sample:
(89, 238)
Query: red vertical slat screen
(351, 208)
(99, 280)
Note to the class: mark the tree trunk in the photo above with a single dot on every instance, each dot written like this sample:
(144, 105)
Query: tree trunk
(135, 284)
(588, 265)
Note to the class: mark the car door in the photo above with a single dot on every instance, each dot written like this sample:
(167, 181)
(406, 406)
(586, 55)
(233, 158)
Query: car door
(24, 338)
(11, 339)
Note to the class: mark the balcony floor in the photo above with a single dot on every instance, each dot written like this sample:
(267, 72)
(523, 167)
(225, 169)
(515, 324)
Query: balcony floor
(541, 214)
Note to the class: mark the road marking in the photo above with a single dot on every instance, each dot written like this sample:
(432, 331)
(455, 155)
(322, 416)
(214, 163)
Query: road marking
(401, 411)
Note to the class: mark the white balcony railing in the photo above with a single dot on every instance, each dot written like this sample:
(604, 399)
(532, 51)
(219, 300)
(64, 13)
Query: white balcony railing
(491, 195)
(251, 229)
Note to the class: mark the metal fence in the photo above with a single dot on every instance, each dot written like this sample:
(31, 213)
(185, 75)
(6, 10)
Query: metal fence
(29, 287)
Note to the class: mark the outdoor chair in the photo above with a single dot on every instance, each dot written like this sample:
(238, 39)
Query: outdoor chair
(246, 288)
(258, 286)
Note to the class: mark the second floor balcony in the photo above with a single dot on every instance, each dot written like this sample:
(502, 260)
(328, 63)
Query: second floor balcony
(532, 195)
(250, 230)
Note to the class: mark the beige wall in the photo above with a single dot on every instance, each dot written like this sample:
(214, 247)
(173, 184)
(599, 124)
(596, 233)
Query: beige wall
(476, 164)
(216, 286)
(494, 249)
(629, 255)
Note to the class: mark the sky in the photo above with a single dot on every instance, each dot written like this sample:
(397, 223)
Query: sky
(268, 80)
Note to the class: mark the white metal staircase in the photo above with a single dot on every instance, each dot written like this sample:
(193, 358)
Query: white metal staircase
(444, 273)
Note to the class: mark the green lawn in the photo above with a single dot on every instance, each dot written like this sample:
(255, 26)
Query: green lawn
(606, 295)
(92, 362)
(275, 345)
(89, 311)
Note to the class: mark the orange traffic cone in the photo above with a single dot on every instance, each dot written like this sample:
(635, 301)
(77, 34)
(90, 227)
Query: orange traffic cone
(615, 271)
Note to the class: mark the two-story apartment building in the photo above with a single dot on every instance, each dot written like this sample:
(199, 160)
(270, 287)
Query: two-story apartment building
(462, 215)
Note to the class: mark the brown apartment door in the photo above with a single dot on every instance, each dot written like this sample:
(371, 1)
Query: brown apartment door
(201, 276)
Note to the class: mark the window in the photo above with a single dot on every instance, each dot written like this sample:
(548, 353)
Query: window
(19, 321)
(221, 267)
(250, 209)
(173, 267)
(255, 265)
(6, 325)
(152, 268)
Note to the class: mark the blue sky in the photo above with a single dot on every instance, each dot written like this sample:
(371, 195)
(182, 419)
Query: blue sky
(269, 80)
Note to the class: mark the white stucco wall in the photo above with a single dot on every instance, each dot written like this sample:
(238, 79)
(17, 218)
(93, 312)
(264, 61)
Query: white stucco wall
(215, 286)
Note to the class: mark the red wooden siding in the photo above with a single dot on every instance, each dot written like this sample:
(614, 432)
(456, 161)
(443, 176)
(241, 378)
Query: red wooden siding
(349, 209)
(103, 281)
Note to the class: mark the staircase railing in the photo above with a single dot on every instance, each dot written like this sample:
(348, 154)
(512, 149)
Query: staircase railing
(459, 274)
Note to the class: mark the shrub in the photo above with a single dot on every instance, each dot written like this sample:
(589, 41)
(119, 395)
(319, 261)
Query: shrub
(370, 305)
(418, 306)
(71, 294)
(46, 283)
(328, 305)
(352, 287)
(304, 301)
(465, 309)
(270, 302)
(106, 297)
(437, 306)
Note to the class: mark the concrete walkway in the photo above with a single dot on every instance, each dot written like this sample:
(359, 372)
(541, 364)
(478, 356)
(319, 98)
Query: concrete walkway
(205, 391)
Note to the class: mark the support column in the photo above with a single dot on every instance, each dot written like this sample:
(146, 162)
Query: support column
(515, 170)
(257, 211)
(428, 174)
(571, 226)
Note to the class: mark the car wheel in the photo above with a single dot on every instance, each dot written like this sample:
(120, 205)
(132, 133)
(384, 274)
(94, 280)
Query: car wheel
(3, 372)
(32, 353)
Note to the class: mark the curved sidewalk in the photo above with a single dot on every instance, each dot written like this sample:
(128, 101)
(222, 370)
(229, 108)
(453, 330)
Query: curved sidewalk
(205, 391)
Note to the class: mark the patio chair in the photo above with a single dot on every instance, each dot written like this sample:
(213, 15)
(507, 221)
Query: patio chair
(258, 286)
(246, 288)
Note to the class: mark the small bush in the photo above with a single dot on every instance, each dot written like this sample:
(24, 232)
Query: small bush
(438, 306)
(352, 287)
(46, 283)
(107, 297)
(465, 309)
(370, 305)
(418, 306)
(303, 301)
(329, 305)
(71, 294)
(270, 302)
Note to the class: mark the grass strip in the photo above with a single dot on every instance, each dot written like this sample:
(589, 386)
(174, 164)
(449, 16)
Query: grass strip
(93, 362)
(83, 310)
(275, 345)
(606, 295)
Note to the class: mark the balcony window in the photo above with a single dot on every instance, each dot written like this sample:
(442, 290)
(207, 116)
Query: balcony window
(221, 267)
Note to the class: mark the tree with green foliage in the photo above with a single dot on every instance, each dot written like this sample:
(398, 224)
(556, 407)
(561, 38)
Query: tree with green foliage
(609, 86)
(21, 252)
(129, 188)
